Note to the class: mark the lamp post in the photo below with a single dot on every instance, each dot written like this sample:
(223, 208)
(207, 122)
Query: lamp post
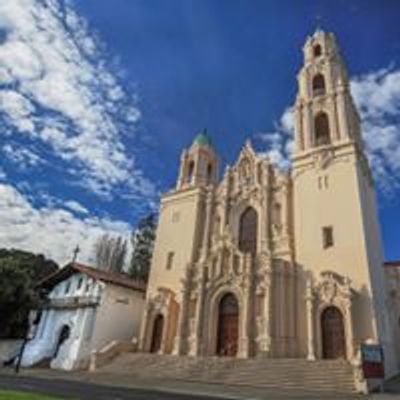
(29, 334)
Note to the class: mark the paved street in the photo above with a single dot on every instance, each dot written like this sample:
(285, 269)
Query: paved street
(84, 391)
(85, 386)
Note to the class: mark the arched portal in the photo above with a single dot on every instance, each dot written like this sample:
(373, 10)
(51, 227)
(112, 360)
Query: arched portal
(248, 231)
(333, 335)
(62, 337)
(228, 326)
(156, 338)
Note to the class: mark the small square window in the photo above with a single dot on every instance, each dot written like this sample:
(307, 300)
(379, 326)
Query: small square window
(170, 259)
(327, 237)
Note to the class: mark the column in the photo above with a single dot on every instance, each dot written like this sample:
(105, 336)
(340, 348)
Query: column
(181, 336)
(266, 340)
(244, 345)
(196, 348)
(299, 132)
(310, 322)
(207, 225)
(349, 330)
(282, 307)
(265, 218)
(308, 126)
(342, 115)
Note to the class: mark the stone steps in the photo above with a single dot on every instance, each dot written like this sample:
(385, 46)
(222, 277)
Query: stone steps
(329, 376)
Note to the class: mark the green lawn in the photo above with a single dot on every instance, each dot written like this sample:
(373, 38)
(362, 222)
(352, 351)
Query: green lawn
(11, 395)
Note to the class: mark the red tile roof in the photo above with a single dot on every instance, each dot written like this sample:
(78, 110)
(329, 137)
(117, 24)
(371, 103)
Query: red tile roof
(105, 276)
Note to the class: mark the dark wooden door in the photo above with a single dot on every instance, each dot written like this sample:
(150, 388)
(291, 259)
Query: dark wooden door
(157, 334)
(333, 335)
(228, 326)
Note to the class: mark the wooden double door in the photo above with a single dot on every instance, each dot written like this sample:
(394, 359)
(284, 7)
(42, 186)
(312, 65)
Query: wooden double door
(228, 326)
(333, 333)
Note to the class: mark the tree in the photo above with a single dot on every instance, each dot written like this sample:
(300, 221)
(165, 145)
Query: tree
(20, 272)
(110, 253)
(142, 247)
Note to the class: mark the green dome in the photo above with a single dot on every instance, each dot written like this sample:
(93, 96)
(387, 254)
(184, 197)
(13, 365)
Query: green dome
(203, 139)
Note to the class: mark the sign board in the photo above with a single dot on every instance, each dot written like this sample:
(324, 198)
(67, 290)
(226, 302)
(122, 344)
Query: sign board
(372, 361)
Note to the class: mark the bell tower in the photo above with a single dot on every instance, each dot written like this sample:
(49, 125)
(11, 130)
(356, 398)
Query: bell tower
(325, 114)
(335, 217)
(199, 164)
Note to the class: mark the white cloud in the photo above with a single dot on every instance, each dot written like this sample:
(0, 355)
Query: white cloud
(279, 142)
(58, 89)
(49, 230)
(77, 207)
(22, 156)
(377, 97)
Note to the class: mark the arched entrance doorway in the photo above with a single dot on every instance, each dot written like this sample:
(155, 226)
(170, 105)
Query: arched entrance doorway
(228, 326)
(333, 335)
(62, 337)
(156, 338)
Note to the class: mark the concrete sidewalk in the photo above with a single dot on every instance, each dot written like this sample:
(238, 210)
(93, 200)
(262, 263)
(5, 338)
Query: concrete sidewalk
(178, 387)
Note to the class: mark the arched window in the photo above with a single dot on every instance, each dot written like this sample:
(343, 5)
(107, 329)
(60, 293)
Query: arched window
(317, 50)
(277, 214)
(209, 173)
(322, 135)
(248, 231)
(190, 171)
(318, 85)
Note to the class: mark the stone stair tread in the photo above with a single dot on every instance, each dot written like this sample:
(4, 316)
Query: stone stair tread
(332, 376)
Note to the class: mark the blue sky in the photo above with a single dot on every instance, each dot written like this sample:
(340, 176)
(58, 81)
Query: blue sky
(98, 98)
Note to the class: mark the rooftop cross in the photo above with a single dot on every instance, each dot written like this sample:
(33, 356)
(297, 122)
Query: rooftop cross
(75, 252)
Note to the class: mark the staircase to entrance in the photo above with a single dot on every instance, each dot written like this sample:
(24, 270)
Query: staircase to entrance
(322, 375)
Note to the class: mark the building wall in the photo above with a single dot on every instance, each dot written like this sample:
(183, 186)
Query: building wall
(178, 232)
(114, 314)
(118, 317)
(392, 292)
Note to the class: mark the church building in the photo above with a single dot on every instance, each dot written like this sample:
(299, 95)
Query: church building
(269, 263)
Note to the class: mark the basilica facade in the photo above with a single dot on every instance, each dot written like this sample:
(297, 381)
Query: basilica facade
(269, 263)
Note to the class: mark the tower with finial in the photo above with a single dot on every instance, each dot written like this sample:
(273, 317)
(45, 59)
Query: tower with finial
(199, 163)
(335, 216)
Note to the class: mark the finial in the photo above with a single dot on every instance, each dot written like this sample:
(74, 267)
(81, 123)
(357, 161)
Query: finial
(318, 22)
(75, 252)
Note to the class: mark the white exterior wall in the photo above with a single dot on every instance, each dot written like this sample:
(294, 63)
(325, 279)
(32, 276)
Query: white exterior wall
(91, 327)
(119, 316)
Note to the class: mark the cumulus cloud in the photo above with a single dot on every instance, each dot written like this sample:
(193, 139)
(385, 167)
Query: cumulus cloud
(57, 87)
(50, 230)
(279, 142)
(377, 97)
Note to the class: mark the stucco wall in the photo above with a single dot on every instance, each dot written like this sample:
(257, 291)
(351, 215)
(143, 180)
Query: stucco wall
(119, 316)
(114, 314)
(178, 231)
